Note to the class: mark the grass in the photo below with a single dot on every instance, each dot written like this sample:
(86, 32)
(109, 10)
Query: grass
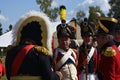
(3, 78)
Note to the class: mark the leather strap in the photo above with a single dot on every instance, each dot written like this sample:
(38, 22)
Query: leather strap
(26, 78)
(91, 53)
(66, 56)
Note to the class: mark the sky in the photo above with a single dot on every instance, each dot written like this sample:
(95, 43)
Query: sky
(12, 10)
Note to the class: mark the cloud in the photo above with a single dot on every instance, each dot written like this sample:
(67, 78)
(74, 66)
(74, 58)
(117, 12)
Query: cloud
(103, 4)
(54, 4)
(3, 18)
(71, 12)
(82, 5)
(86, 3)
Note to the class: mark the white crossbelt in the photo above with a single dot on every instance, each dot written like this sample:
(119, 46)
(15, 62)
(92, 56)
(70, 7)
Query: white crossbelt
(92, 50)
(119, 47)
(66, 56)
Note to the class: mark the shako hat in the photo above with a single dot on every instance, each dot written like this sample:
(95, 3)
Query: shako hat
(63, 29)
(86, 29)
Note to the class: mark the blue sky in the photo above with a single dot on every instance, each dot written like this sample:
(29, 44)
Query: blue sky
(11, 10)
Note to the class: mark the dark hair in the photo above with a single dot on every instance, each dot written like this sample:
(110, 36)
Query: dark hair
(32, 33)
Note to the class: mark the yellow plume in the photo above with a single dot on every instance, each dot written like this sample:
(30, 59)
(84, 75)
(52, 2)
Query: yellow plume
(63, 13)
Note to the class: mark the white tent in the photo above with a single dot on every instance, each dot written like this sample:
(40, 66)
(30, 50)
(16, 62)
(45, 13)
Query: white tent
(6, 39)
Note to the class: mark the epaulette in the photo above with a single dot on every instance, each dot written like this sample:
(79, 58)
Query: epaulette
(43, 50)
(109, 52)
(9, 47)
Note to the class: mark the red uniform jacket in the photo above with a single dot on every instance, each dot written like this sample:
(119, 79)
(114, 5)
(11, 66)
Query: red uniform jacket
(2, 69)
(110, 62)
(82, 61)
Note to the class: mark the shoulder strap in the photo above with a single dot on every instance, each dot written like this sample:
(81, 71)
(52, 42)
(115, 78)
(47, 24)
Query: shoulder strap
(90, 54)
(19, 59)
(119, 47)
(63, 59)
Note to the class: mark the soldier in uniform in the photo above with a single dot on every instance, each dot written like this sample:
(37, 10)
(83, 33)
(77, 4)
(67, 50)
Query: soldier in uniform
(76, 39)
(28, 58)
(65, 58)
(86, 67)
(109, 66)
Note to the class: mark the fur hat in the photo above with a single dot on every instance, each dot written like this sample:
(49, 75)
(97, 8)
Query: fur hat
(33, 26)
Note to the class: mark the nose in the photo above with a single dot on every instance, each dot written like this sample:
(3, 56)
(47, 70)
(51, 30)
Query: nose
(65, 42)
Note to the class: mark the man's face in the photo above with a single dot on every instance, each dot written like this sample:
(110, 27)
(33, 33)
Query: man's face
(117, 36)
(64, 42)
(87, 38)
(100, 40)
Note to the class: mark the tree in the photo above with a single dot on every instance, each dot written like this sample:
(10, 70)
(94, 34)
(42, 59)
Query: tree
(115, 8)
(1, 29)
(79, 16)
(45, 6)
(92, 13)
(10, 28)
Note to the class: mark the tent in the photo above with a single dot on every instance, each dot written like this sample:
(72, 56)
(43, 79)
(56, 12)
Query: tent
(6, 39)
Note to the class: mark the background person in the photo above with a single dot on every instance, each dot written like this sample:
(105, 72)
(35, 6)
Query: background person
(117, 35)
(109, 66)
(87, 68)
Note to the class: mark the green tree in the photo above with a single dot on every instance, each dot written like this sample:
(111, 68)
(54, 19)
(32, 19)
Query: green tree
(10, 28)
(92, 13)
(0, 26)
(1, 29)
(79, 16)
(115, 8)
(45, 6)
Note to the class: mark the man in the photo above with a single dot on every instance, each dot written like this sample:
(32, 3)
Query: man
(65, 58)
(117, 36)
(76, 39)
(109, 65)
(87, 64)
(29, 56)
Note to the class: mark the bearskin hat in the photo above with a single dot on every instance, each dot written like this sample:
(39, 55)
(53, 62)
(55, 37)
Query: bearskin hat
(33, 26)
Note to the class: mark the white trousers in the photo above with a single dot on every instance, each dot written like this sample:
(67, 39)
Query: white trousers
(89, 76)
